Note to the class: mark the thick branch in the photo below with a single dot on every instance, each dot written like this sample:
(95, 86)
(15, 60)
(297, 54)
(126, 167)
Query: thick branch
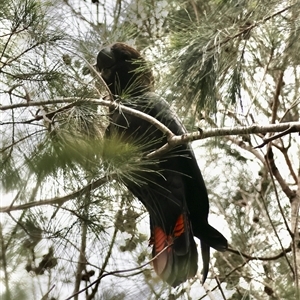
(176, 140)
(225, 131)
(173, 140)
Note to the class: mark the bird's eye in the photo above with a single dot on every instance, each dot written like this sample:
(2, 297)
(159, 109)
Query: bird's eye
(105, 72)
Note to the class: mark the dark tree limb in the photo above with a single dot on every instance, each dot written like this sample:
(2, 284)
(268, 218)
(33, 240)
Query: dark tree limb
(249, 257)
(276, 136)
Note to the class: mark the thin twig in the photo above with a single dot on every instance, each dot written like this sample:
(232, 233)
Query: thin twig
(220, 287)
(45, 297)
(247, 29)
(39, 103)
(107, 257)
(249, 257)
(276, 136)
(275, 172)
(81, 264)
(120, 271)
(270, 219)
(261, 81)
(275, 103)
(284, 151)
(59, 200)
(21, 139)
(226, 276)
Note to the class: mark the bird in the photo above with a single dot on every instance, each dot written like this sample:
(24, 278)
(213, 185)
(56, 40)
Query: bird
(172, 190)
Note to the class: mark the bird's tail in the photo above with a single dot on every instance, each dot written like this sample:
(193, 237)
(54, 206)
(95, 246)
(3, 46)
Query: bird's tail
(210, 237)
(176, 252)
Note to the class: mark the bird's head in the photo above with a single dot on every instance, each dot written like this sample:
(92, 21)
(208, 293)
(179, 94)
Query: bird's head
(124, 70)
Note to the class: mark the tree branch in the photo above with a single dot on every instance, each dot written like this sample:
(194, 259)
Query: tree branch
(225, 131)
(276, 136)
(295, 206)
(247, 29)
(274, 171)
(121, 271)
(59, 200)
(226, 276)
(39, 103)
(106, 260)
(275, 103)
(249, 257)
(173, 140)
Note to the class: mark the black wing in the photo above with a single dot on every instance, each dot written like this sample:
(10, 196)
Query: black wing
(175, 195)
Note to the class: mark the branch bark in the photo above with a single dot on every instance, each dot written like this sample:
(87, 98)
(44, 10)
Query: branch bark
(173, 140)
(255, 128)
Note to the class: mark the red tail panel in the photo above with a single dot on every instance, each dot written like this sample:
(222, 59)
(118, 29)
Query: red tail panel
(174, 265)
(160, 241)
(179, 227)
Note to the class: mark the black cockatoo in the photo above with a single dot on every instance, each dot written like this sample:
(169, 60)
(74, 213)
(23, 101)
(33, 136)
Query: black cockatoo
(174, 194)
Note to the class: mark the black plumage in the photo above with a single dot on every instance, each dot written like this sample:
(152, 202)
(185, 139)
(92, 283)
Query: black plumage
(173, 191)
